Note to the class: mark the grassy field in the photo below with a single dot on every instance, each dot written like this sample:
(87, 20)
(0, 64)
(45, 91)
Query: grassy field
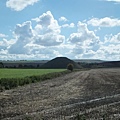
(20, 73)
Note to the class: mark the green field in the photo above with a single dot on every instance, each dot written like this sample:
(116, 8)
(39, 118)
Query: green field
(20, 73)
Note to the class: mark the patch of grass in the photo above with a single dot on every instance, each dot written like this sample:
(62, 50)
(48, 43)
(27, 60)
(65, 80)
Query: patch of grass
(9, 83)
(21, 73)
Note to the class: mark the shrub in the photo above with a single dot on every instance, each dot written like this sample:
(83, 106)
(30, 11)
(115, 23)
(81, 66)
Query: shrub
(2, 88)
(70, 67)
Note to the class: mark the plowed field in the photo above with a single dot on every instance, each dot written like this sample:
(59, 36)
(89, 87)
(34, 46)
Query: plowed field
(93, 94)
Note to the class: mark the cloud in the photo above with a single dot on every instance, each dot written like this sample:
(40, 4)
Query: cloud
(109, 52)
(110, 48)
(86, 42)
(45, 52)
(49, 39)
(63, 19)
(3, 35)
(65, 49)
(104, 22)
(24, 30)
(85, 37)
(37, 40)
(105, 52)
(48, 30)
(48, 23)
(114, 39)
(44, 40)
(89, 54)
(23, 35)
(117, 1)
(19, 5)
(71, 25)
(4, 44)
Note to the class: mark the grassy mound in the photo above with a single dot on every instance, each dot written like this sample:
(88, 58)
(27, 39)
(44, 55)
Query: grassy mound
(59, 63)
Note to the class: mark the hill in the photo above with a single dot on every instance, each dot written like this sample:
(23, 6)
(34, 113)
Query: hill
(23, 63)
(59, 62)
(111, 64)
(88, 60)
(105, 64)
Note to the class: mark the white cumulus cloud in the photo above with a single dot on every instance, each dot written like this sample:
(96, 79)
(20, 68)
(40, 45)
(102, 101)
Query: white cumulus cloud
(48, 30)
(104, 22)
(37, 40)
(19, 5)
(109, 52)
(44, 39)
(114, 39)
(23, 35)
(85, 41)
(84, 37)
(4, 44)
(63, 19)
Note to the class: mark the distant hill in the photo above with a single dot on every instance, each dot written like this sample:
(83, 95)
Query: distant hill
(24, 63)
(59, 62)
(111, 64)
(88, 60)
(107, 64)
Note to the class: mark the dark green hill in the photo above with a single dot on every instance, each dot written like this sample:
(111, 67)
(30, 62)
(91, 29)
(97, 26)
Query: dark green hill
(107, 64)
(59, 62)
(111, 64)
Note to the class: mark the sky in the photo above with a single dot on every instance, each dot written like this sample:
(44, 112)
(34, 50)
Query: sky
(45, 29)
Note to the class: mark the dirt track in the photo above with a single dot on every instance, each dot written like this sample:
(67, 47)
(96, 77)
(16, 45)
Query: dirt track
(62, 96)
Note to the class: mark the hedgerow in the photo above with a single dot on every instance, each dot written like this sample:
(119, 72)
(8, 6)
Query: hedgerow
(10, 83)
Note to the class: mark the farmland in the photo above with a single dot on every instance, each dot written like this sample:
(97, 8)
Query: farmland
(91, 94)
(20, 73)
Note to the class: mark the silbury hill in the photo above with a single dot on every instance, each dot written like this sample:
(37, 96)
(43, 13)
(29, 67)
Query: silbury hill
(59, 63)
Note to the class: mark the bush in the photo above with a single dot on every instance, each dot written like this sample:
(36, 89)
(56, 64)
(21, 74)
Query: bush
(70, 67)
(2, 88)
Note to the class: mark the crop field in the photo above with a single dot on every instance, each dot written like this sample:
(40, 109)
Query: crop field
(20, 73)
(83, 95)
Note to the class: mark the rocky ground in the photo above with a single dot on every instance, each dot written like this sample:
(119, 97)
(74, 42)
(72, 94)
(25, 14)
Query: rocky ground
(92, 94)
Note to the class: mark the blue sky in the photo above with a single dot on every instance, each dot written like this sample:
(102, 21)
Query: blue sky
(44, 29)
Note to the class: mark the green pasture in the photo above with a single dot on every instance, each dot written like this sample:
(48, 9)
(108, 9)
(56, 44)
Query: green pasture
(20, 73)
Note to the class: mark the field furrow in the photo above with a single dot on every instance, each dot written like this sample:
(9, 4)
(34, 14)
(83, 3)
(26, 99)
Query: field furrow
(93, 94)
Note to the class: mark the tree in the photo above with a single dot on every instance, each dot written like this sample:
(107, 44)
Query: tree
(20, 66)
(1, 65)
(70, 66)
